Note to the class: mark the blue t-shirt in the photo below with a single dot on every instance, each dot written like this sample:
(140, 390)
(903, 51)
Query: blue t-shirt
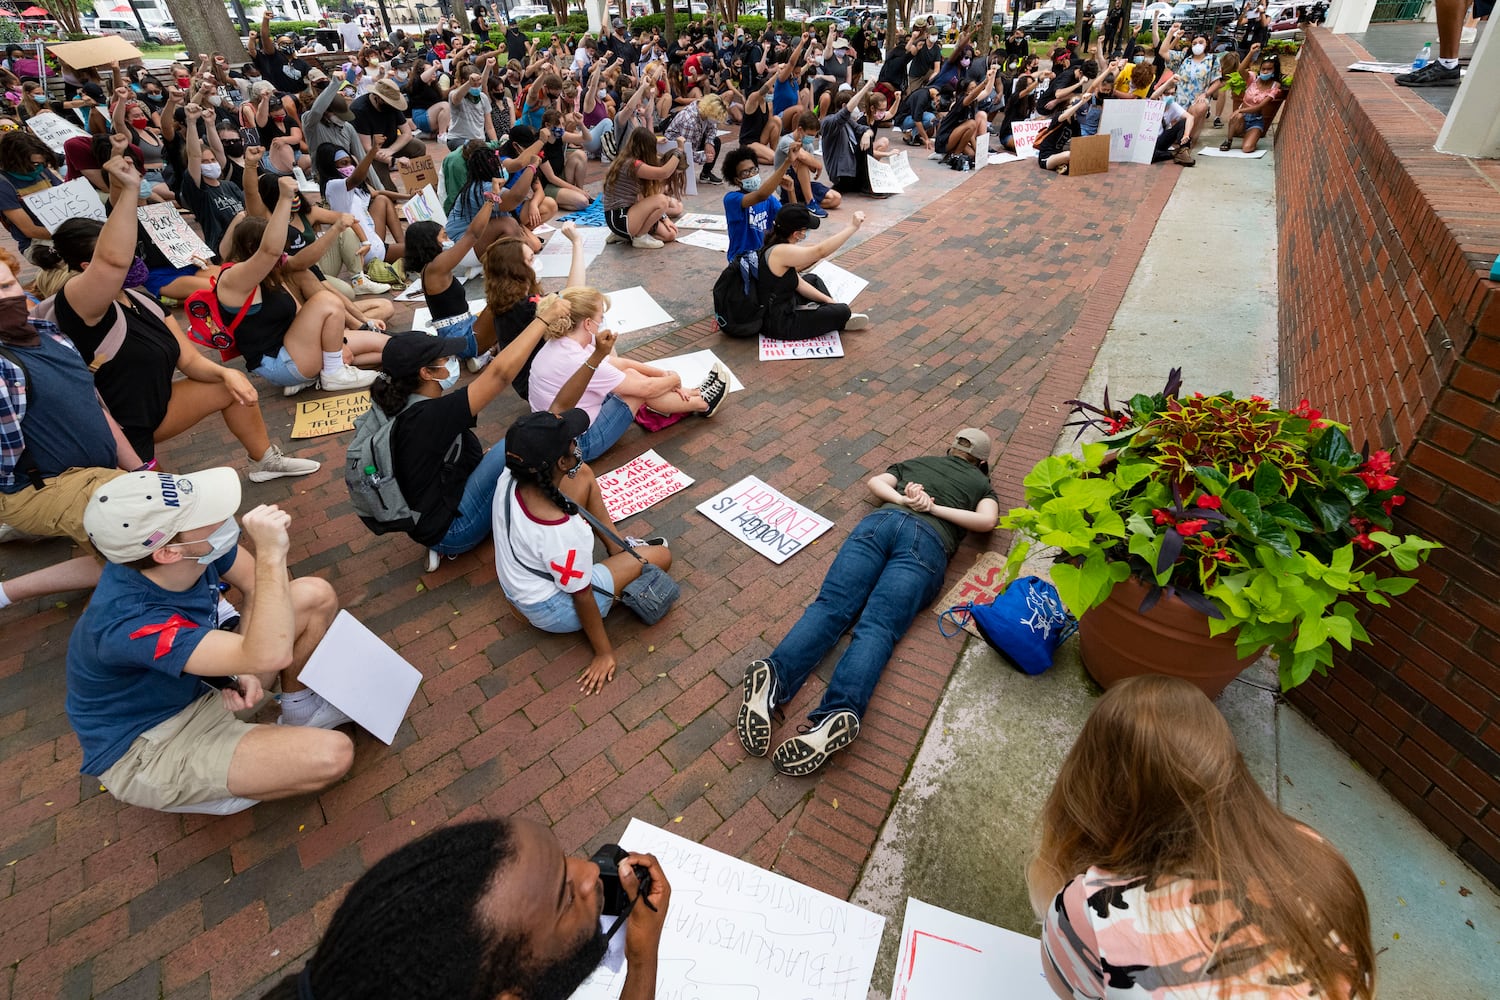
(126, 655)
(748, 227)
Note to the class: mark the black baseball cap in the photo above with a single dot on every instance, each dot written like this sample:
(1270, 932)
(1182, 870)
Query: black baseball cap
(794, 217)
(405, 354)
(539, 439)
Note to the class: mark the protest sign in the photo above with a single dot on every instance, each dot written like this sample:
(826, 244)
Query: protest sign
(694, 368)
(717, 242)
(361, 676)
(843, 285)
(416, 173)
(981, 150)
(948, 956)
(883, 178)
(556, 258)
(1090, 155)
(980, 585)
(1025, 134)
(425, 206)
(99, 51)
(700, 220)
(1132, 127)
(639, 483)
(771, 524)
(54, 130)
(827, 345)
(173, 236)
(332, 415)
(900, 165)
(55, 205)
(632, 309)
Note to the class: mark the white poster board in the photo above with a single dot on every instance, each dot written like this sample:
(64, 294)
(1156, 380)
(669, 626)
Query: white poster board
(883, 179)
(76, 199)
(54, 130)
(701, 220)
(770, 523)
(694, 368)
(556, 258)
(981, 150)
(667, 147)
(1132, 127)
(900, 165)
(737, 932)
(947, 956)
(641, 482)
(843, 285)
(1026, 133)
(426, 206)
(632, 309)
(717, 242)
(362, 677)
(173, 236)
(828, 345)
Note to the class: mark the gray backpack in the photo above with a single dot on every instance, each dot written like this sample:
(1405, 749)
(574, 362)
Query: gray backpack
(370, 473)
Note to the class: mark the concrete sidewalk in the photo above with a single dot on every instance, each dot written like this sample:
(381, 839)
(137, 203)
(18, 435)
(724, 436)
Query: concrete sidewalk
(961, 832)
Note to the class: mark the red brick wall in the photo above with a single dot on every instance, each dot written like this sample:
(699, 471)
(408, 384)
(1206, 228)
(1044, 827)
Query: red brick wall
(1388, 323)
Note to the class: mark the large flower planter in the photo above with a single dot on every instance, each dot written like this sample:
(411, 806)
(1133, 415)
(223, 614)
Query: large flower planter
(1116, 641)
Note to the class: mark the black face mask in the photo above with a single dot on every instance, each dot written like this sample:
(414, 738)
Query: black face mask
(233, 147)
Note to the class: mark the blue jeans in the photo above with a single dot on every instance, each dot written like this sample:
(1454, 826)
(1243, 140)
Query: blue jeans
(559, 614)
(908, 123)
(593, 143)
(471, 524)
(888, 569)
(609, 426)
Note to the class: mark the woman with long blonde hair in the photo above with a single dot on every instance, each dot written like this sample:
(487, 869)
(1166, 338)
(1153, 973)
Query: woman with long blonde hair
(1164, 871)
(620, 390)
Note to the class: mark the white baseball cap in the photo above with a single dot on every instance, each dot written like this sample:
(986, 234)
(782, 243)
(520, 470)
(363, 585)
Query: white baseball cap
(133, 515)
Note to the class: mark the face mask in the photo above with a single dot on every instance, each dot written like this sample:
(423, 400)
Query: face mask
(215, 100)
(1170, 99)
(138, 273)
(807, 143)
(451, 379)
(748, 184)
(288, 51)
(233, 147)
(1199, 49)
(211, 171)
(279, 118)
(34, 174)
(139, 123)
(13, 314)
(346, 171)
(1267, 77)
(964, 62)
(223, 539)
(1138, 59)
(135, 87)
(446, 244)
(156, 98)
(184, 82)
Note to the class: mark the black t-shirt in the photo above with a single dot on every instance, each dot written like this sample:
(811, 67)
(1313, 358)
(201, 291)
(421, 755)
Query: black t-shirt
(924, 59)
(371, 119)
(919, 103)
(214, 206)
(508, 326)
(1057, 136)
(285, 73)
(136, 384)
(420, 441)
(556, 155)
(893, 70)
(515, 44)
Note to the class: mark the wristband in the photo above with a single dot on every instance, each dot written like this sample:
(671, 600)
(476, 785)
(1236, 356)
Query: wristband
(145, 467)
(592, 368)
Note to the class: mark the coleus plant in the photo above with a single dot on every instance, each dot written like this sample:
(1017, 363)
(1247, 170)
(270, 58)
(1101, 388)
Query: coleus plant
(1266, 520)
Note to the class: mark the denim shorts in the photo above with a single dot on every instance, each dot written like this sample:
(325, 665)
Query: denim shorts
(1254, 121)
(559, 614)
(282, 370)
(420, 120)
(460, 327)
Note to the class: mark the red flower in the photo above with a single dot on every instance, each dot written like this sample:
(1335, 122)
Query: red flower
(1223, 555)
(1117, 424)
(1306, 412)
(1317, 425)
(1391, 503)
(1191, 527)
(1206, 540)
(1363, 541)
(1377, 481)
(1208, 502)
(1378, 463)
(1163, 516)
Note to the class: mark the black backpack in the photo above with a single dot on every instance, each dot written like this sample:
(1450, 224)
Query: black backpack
(739, 306)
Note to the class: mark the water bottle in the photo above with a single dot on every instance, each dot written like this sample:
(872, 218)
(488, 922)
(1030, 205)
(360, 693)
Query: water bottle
(1423, 58)
(374, 479)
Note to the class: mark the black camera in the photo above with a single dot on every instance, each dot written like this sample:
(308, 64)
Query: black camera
(616, 900)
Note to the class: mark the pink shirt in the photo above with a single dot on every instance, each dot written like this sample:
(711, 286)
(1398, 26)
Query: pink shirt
(558, 361)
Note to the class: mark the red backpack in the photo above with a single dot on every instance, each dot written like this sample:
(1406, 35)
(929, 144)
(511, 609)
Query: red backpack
(206, 324)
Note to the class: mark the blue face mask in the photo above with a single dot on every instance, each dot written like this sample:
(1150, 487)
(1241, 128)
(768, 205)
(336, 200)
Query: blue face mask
(1170, 98)
(1267, 77)
(807, 143)
(748, 184)
(224, 538)
(451, 379)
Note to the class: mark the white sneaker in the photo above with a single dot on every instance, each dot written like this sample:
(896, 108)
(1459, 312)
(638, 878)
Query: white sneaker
(314, 712)
(646, 241)
(615, 237)
(434, 560)
(13, 534)
(480, 362)
(215, 807)
(273, 465)
(345, 377)
(857, 321)
(292, 390)
(363, 284)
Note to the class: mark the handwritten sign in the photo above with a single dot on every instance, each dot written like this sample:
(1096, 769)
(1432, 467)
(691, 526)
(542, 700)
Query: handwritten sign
(717, 242)
(425, 206)
(771, 524)
(736, 931)
(828, 345)
(844, 286)
(1132, 127)
(641, 482)
(701, 220)
(883, 179)
(55, 205)
(173, 236)
(556, 258)
(900, 164)
(333, 415)
(416, 173)
(948, 956)
(54, 130)
(1026, 133)
(981, 585)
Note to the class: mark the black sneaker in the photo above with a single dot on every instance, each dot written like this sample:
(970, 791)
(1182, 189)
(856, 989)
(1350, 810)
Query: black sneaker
(715, 389)
(806, 753)
(1434, 74)
(754, 722)
(709, 177)
(636, 543)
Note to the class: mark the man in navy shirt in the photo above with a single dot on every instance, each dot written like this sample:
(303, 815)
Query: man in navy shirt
(153, 679)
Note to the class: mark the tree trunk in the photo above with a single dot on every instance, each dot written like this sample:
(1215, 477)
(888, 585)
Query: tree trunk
(205, 27)
(986, 39)
(669, 20)
(459, 16)
(778, 10)
(66, 12)
(892, 26)
(1079, 7)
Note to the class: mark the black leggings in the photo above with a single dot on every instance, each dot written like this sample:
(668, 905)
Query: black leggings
(710, 153)
(1170, 136)
(809, 319)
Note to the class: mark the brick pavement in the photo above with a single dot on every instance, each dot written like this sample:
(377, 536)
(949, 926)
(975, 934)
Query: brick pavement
(989, 304)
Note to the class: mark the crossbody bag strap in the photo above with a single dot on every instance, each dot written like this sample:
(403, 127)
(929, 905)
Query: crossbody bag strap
(510, 492)
(606, 533)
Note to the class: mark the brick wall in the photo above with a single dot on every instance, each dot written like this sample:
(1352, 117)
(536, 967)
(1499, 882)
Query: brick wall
(1388, 323)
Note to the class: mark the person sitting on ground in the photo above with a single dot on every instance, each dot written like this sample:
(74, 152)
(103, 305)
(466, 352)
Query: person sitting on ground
(636, 208)
(1172, 142)
(434, 260)
(1137, 81)
(555, 164)
(474, 910)
(917, 116)
(621, 389)
(281, 341)
(324, 121)
(1218, 92)
(136, 351)
(544, 550)
(1164, 870)
(1018, 108)
(213, 199)
(27, 165)
(759, 130)
(956, 135)
(695, 129)
(798, 305)
(818, 197)
(511, 292)
(848, 142)
(472, 183)
(1052, 152)
(534, 206)
(1257, 107)
(382, 113)
(428, 105)
(889, 568)
(1194, 68)
(377, 221)
(751, 206)
(154, 677)
(470, 106)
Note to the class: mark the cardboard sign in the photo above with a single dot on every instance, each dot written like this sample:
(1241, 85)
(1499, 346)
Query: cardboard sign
(980, 585)
(1025, 134)
(1089, 154)
(54, 130)
(426, 206)
(95, 52)
(362, 677)
(948, 956)
(416, 173)
(76, 199)
(770, 523)
(828, 345)
(1132, 127)
(331, 415)
(173, 236)
(640, 483)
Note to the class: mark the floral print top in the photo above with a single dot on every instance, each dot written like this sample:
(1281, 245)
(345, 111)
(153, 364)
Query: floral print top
(1193, 75)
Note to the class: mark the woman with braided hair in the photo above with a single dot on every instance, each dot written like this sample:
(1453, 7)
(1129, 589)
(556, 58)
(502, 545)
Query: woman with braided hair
(488, 181)
(544, 549)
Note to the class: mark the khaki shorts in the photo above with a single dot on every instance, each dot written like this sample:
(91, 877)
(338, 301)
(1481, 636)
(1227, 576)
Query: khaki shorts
(56, 510)
(183, 761)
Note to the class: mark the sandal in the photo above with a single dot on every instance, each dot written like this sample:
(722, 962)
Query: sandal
(1224, 146)
(1062, 171)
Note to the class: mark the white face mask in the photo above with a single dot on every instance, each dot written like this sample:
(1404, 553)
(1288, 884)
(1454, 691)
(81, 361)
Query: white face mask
(1199, 49)
(211, 171)
(451, 379)
(224, 538)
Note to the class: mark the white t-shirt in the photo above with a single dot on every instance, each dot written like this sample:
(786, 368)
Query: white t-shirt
(558, 361)
(357, 204)
(350, 34)
(563, 548)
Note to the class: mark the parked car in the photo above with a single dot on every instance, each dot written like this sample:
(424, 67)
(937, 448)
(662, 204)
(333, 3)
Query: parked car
(166, 32)
(823, 20)
(128, 30)
(1045, 23)
(793, 14)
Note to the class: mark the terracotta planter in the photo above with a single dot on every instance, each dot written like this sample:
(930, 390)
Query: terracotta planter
(1117, 641)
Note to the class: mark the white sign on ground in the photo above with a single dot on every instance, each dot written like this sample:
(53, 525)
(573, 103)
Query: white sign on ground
(641, 482)
(362, 677)
(736, 932)
(694, 368)
(843, 285)
(717, 242)
(632, 309)
(828, 345)
(556, 258)
(700, 220)
(946, 956)
(770, 523)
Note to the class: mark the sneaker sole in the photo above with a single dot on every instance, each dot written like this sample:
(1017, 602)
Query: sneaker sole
(266, 477)
(755, 729)
(797, 757)
(859, 321)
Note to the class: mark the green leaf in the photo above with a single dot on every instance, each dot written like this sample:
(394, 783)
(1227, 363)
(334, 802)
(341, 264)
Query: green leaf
(1093, 455)
(1047, 476)
(1289, 515)
(1313, 633)
(1332, 509)
(1086, 586)
(1244, 502)
(1394, 585)
(1109, 523)
(1088, 494)
(1267, 482)
(1334, 448)
(1068, 529)
(1130, 474)
(1212, 479)
(1352, 487)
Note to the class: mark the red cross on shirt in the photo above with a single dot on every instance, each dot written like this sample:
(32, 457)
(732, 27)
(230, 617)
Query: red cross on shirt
(566, 573)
